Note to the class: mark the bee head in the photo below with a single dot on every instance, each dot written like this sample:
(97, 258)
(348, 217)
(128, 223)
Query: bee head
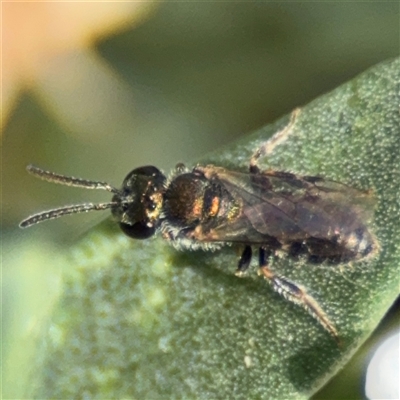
(138, 204)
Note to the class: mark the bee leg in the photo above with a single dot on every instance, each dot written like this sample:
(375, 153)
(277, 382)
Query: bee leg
(278, 138)
(244, 261)
(296, 294)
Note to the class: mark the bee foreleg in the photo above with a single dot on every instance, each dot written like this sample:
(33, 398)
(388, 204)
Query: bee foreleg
(244, 261)
(298, 295)
(278, 138)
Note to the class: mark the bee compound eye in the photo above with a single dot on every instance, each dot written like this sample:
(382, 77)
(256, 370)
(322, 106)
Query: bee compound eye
(147, 170)
(138, 230)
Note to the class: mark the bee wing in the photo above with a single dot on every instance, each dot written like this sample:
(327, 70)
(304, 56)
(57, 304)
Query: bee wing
(284, 206)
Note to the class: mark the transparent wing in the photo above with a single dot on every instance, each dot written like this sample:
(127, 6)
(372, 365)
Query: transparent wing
(287, 207)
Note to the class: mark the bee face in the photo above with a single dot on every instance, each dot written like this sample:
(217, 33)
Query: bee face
(139, 203)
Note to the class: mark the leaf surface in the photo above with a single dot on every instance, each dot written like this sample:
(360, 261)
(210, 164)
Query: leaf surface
(138, 319)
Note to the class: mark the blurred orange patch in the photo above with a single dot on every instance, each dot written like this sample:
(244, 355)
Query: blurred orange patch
(35, 32)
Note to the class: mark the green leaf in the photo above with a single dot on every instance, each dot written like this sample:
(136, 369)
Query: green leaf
(139, 319)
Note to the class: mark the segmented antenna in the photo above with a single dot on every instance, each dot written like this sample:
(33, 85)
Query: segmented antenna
(60, 212)
(67, 210)
(69, 180)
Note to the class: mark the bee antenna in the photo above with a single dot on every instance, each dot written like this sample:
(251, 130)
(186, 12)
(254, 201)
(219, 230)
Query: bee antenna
(67, 210)
(70, 180)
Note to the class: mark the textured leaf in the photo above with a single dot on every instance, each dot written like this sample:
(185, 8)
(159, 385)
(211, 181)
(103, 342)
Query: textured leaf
(142, 320)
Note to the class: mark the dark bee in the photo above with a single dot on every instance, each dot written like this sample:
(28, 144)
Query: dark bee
(209, 206)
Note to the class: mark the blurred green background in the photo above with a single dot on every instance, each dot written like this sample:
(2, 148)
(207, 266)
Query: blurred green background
(169, 86)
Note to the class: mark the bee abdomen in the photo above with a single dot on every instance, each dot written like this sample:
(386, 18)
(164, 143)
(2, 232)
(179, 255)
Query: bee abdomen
(355, 246)
(361, 243)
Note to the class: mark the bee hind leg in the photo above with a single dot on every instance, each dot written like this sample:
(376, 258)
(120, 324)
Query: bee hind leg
(296, 294)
